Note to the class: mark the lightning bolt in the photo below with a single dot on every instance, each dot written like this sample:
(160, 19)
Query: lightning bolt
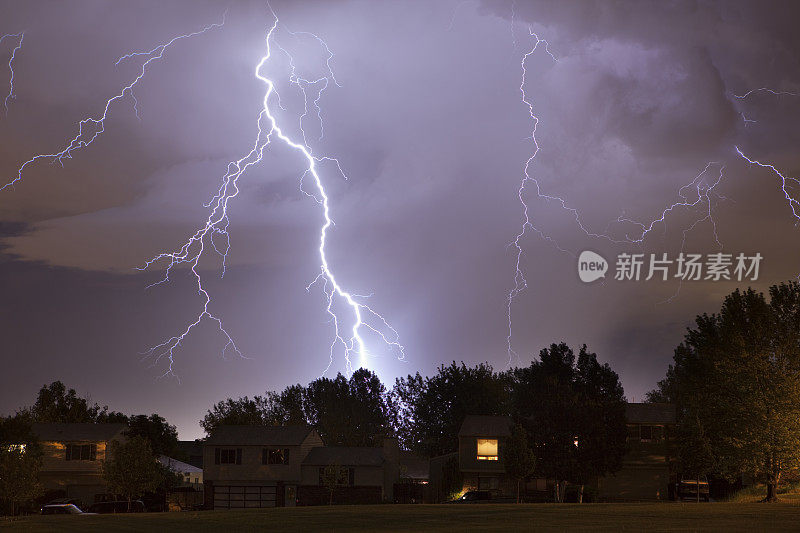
(20, 36)
(214, 233)
(90, 128)
(794, 204)
(703, 188)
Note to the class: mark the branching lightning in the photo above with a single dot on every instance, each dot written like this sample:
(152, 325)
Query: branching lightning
(702, 186)
(19, 36)
(89, 129)
(214, 233)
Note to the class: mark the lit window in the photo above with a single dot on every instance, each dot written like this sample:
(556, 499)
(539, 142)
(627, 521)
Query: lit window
(17, 448)
(487, 450)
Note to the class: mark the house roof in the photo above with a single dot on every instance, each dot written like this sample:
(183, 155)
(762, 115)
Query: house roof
(259, 435)
(653, 413)
(344, 456)
(178, 466)
(54, 432)
(485, 426)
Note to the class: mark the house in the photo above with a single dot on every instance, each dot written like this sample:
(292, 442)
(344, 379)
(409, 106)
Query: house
(255, 466)
(649, 467)
(367, 474)
(190, 474)
(480, 444)
(73, 455)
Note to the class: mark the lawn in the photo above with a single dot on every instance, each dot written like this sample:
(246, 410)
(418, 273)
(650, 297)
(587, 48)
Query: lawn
(684, 517)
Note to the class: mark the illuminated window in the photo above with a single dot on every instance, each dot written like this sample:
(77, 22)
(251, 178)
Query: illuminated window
(81, 452)
(17, 448)
(487, 450)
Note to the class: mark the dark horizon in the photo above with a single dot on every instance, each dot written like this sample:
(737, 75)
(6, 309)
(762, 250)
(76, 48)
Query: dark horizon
(641, 106)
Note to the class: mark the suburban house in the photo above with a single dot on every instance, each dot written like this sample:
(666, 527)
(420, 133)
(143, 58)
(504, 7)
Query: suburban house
(650, 466)
(73, 455)
(189, 494)
(480, 443)
(190, 474)
(366, 474)
(255, 466)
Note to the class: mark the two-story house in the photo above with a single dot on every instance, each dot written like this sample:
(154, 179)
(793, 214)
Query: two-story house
(480, 443)
(255, 466)
(73, 455)
(651, 462)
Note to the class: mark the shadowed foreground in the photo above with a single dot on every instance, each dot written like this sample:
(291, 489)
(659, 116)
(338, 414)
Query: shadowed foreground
(596, 517)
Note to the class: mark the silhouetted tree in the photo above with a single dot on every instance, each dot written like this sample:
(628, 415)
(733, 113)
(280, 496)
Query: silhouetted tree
(20, 461)
(574, 412)
(130, 468)
(518, 457)
(162, 436)
(56, 403)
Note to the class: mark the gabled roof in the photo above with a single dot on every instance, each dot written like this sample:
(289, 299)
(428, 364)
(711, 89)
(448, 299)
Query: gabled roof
(650, 413)
(485, 426)
(344, 456)
(178, 466)
(54, 432)
(259, 435)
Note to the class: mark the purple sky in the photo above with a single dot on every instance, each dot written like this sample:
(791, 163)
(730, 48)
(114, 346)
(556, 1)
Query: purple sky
(430, 127)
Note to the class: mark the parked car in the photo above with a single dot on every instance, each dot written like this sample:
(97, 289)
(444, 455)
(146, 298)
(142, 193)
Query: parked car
(62, 501)
(136, 506)
(62, 508)
(691, 488)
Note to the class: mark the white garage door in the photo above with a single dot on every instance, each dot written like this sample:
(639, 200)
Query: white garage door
(240, 497)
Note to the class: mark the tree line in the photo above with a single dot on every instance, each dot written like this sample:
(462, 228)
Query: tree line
(569, 409)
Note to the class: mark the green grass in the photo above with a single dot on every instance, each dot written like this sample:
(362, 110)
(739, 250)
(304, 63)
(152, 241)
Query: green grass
(683, 517)
(787, 492)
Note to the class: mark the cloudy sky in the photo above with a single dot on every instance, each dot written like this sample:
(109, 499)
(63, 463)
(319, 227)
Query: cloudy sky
(634, 101)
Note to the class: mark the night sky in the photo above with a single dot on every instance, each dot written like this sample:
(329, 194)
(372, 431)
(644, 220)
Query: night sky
(430, 127)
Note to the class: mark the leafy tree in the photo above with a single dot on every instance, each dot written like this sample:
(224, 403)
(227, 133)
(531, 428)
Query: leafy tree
(430, 411)
(574, 412)
(20, 461)
(243, 411)
(331, 477)
(452, 478)
(737, 377)
(56, 403)
(162, 436)
(130, 468)
(518, 457)
(349, 412)
(666, 389)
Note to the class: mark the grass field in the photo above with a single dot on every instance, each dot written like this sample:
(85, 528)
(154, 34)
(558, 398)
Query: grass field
(753, 517)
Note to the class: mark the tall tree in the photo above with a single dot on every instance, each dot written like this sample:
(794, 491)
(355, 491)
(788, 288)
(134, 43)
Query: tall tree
(518, 457)
(574, 412)
(130, 468)
(20, 461)
(737, 376)
(430, 410)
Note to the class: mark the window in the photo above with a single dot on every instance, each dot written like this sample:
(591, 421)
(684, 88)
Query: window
(487, 450)
(81, 452)
(227, 456)
(347, 476)
(633, 432)
(275, 456)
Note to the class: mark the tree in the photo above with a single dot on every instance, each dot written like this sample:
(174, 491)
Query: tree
(130, 468)
(452, 478)
(56, 403)
(429, 411)
(20, 461)
(242, 411)
(737, 377)
(162, 436)
(349, 412)
(331, 477)
(574, 412)
(518, 457)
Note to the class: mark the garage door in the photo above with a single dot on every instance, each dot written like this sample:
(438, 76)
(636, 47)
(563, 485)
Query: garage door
(239, 497)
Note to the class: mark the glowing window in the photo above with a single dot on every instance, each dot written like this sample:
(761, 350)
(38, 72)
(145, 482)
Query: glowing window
(487, 450)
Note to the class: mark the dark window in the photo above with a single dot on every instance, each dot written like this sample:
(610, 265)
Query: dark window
(81, 452)
(275, 456)
(227, 456)
(633, 432)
